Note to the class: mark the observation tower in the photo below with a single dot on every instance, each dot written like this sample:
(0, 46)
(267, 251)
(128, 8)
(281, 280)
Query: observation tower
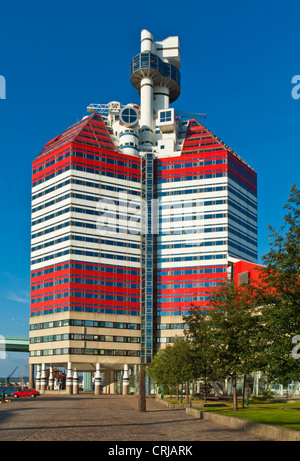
(154, 72)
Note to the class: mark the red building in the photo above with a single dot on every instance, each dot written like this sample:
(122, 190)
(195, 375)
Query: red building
(137, 213)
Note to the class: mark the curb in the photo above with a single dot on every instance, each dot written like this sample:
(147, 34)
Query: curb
(259, 429)
(187, 405)
(172, 405)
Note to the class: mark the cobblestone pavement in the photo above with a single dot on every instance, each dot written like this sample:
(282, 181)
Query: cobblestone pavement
(86, 417)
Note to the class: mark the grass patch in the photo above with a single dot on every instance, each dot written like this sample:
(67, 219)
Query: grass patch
(276, 414)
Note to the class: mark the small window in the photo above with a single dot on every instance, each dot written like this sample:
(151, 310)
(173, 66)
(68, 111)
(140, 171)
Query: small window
(166, 116)
(129, 116)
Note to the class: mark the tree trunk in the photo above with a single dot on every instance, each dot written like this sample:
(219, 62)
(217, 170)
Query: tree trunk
(244, 389)
(187, 391)
(177, 387)
(205, 390)
(142, 389)
(235, 403)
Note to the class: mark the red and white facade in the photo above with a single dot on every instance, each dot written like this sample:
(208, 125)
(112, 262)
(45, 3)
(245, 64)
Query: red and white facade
(137, 213)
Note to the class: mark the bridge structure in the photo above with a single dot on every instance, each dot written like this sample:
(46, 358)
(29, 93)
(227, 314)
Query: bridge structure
(14, 344)
(9, 344)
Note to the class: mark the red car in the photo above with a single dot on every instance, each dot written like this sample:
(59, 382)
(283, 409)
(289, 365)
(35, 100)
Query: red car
(25, 392)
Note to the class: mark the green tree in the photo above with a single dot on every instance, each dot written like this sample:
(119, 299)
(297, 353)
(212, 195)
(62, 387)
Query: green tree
(184, 363)
(280, 295)
(235, 326)
(174, 364)
(159, 369)
(200, 334)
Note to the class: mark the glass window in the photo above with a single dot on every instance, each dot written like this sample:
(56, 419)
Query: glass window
(166, 116)
(129, 115)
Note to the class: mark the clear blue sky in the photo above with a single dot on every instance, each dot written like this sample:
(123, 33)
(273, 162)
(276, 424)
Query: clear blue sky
(238, 60)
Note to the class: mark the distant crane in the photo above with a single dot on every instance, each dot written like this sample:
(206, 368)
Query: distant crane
(10, 375)
(21, 377)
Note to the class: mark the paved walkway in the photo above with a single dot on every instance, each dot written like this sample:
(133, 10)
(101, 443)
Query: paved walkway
(86, 417)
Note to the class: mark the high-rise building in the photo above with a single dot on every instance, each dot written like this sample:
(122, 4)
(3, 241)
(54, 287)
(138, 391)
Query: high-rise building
(138, 210)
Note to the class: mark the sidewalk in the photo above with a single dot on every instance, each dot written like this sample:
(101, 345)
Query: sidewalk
(86, 417)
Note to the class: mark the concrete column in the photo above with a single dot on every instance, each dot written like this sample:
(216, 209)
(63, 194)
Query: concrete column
(56, 384)
(111, 382)
(98, 380)
(108, 382)
(136, 376)
(38, 378)
(105, 382)
(69, 380)
(31, 375)
(125, 381)
(146, 122)
(146, 95)
(75, 382)
(43, 379)
(147, 43)
(51, 379)
(160, 98)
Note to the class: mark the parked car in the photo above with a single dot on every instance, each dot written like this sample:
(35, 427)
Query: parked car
(25, 392)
